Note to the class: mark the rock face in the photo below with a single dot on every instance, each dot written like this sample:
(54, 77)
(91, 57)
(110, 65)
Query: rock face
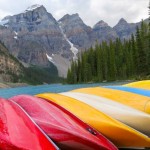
(76, 31)
(103, 32)
(124, 29)
(35, 37)
(10, 68)
(33, 34)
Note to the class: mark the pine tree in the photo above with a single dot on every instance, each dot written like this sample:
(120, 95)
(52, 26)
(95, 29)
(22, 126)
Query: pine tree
(104, 60)
(119, 57)
(69, 76)
(92, 61)
(111, 62)
(149, 41)
(134, 54)
(98, 63)
(142, 66)
(79, 68)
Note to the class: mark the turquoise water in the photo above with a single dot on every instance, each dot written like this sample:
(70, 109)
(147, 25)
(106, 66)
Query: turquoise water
(55, 88)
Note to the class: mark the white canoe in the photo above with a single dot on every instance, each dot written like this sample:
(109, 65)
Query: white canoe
(130, 116)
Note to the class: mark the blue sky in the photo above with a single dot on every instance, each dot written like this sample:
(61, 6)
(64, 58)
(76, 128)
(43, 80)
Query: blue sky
(91, 11)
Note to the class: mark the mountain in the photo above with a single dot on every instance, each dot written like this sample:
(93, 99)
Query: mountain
(36, 38)
(125, 29)
(103, 32)
(33, 35)
(76, 30)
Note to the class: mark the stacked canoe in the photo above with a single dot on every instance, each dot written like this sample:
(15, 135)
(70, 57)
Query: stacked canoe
(97, 118)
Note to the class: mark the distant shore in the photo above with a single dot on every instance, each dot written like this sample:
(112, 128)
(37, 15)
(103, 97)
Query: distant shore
(11, 85)
(105, 83)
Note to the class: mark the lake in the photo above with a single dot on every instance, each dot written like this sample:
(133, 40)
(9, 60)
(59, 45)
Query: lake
(54, 88)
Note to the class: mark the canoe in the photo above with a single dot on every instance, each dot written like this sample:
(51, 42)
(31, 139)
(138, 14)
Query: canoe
(136, 101)
(131, 89)
(129, 116)
(66, 130)
(145, 84)
(120, 134)
(18, 131)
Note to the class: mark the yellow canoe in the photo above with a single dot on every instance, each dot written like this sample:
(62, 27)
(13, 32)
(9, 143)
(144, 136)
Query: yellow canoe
(120, 134)
(125, 114)
(136, 101)
(145, 84)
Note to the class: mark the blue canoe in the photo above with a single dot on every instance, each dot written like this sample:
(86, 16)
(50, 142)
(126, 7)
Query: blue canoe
(130, 89)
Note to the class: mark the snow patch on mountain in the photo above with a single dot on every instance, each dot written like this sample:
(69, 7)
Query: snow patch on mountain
(4, 22)
(73, 48)
(31, 8)
(50, 58)
(16, 35)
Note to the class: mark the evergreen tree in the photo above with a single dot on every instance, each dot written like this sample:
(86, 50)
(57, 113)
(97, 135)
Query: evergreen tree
(79, 68)
(142, 64)
(149, 41)
(69, 76)
(98, 63)
(119, 59)
(104, 60)
(111, 62)
(134, 54)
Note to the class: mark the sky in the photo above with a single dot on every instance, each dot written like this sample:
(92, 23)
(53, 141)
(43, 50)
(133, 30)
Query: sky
(90, 11)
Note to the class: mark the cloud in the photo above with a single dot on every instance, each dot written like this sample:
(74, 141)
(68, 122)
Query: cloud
(91, 11)
(111, 11)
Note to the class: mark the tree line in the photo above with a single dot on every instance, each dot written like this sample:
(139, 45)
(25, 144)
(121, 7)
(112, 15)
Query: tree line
(119, 60)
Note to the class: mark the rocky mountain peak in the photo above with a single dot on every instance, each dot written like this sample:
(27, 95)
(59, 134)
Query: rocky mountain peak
(76, 30)
(103, 32)
(122, 21)
(71, 19)
(101, 24)
(33, 18)
(68, 16)
(33, 7)
(6, 18)
(124, 29)
(34, 33)
(40, 9)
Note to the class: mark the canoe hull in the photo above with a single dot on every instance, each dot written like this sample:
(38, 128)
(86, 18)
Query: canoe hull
(66, 130)
(18, 131)
(131, 117)
(145, 84)
(120, 134)
(127, 98)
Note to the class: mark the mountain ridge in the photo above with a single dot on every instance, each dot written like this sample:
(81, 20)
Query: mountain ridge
(34, 34)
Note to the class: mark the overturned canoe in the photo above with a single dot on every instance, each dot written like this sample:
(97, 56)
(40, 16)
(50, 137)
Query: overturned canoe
(119, 133)
(129, 116)
(145, 84)
(136, 101)
(19, 131)
(66, 130)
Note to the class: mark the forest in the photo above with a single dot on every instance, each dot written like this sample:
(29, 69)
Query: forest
(111, 61)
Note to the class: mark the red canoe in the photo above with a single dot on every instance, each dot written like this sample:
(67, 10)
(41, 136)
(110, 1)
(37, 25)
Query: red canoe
(18, 131)
(66, 130)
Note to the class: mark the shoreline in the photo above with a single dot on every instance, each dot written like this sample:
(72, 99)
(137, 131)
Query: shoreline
(5, 85)
(12, 85)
